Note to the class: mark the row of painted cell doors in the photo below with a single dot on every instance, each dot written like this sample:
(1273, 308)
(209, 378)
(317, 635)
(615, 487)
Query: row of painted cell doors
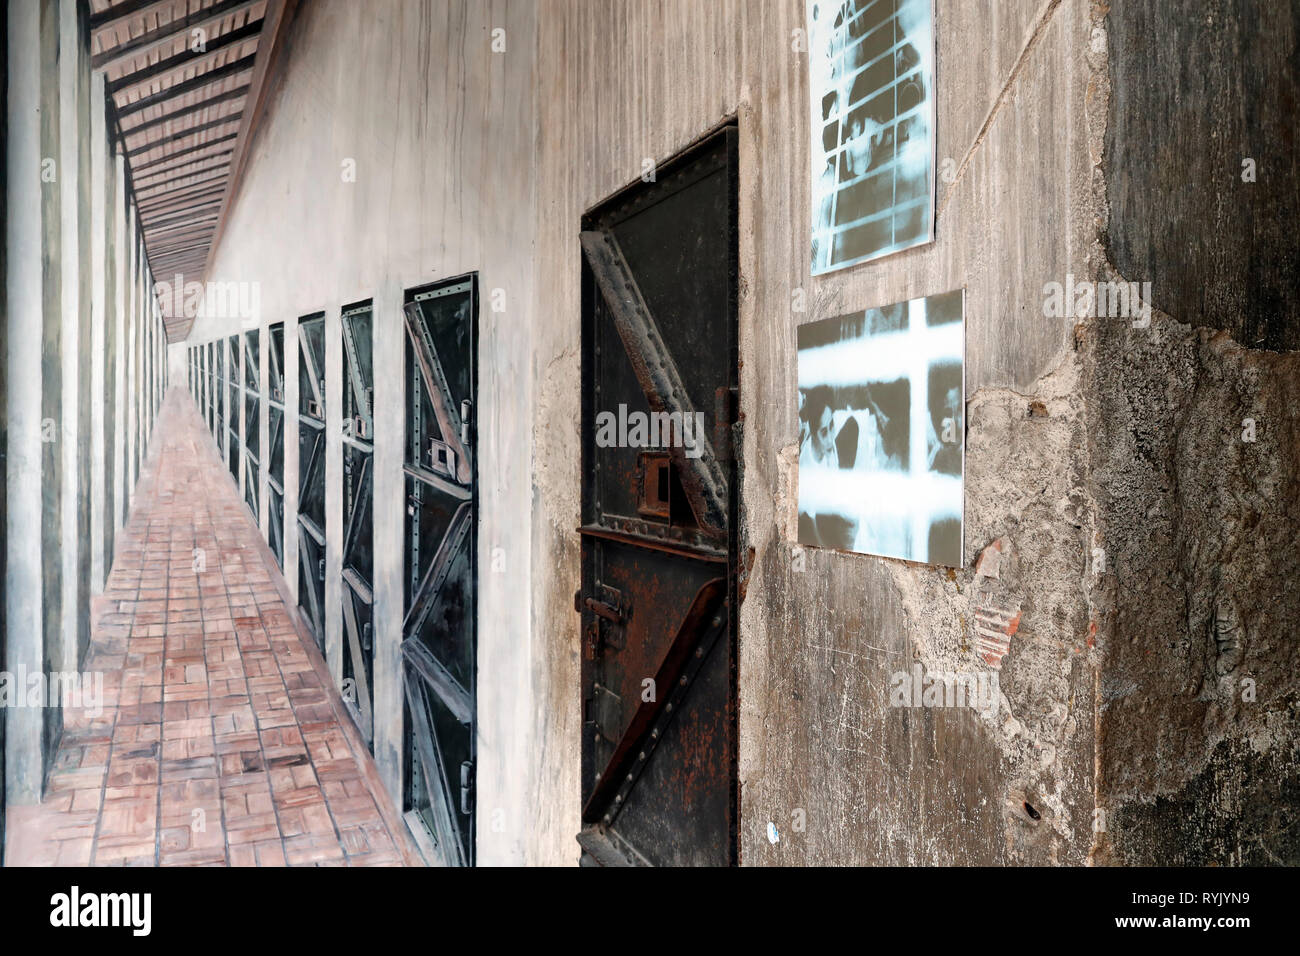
(438, 637)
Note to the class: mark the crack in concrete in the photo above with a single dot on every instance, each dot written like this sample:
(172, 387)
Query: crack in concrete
(1044, 17)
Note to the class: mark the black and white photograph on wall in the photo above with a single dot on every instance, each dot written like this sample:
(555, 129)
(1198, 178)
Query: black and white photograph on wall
(871, 80)
(881, 430)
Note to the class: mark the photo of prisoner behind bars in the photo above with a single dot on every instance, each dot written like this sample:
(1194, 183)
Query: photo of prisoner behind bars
(871, 80)
(881, 426)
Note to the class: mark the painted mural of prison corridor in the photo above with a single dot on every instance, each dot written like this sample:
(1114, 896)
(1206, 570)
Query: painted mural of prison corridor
(220, 738)
(317, 319)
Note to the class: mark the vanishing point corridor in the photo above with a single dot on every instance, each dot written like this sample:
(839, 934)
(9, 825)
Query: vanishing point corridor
(449, 434)
(221, 740)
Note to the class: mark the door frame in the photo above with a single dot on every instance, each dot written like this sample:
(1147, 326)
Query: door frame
(602, 849)
(415, 658)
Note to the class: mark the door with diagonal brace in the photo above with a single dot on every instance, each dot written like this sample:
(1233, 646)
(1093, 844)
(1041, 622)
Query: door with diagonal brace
(234, 401)
(659, 379)
(311, 473)
(219, 396)
(439, 638)
(358, 457)
(275, 431)
(252, 419)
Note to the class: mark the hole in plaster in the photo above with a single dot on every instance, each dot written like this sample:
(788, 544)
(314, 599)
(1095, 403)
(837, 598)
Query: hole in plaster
(1033, 814)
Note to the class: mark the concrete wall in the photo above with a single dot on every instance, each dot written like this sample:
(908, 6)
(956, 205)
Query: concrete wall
(822, 632)
(442, 187)
(468, 159)
(1194, 436)
(64, 456)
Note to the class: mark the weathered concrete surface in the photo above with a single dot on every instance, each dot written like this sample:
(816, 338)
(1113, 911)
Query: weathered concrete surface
(439, 127)
(1198, 88)
(1194, 441)
(1198, 514)
(1106, 509)
(822, 633)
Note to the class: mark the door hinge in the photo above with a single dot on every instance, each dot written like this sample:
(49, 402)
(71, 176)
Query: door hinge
(467, 787)
(466, 411)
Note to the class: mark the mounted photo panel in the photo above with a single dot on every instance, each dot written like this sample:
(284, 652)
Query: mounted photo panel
(871, 79)
(881, 430)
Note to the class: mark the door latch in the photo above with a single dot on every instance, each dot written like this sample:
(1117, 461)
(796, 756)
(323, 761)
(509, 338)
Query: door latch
(608, 625)
(442, 458)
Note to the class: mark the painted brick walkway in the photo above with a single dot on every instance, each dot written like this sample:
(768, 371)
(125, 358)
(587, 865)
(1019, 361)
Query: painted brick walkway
(221, 741)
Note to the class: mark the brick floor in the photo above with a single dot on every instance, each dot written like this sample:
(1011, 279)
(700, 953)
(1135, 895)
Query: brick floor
(221, 740)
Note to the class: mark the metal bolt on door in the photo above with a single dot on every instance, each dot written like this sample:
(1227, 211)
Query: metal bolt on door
(658, 537)
(439, 630)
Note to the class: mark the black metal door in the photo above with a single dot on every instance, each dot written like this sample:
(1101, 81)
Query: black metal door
(311, 473)
(218, 396)
(233, 372)
(658, 536)
(275, 435)
(439, 631)
(209, 402)
(252, 419)
(358, 427)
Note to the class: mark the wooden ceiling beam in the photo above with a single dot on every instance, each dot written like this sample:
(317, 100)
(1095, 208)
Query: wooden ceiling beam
(186, 86)
(185, 152)
(181, 202)
(121, 14)
(143, 186)
(184, 214)
(190, 131)
(186, 59)
(151, 40)
(193, 234)
(154, 193)
(201, 105)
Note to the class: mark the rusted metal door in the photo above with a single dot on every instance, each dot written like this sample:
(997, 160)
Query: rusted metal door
(659, 378)
(439, 632)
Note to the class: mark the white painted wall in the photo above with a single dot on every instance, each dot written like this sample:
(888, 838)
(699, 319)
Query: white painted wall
(440, 130)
